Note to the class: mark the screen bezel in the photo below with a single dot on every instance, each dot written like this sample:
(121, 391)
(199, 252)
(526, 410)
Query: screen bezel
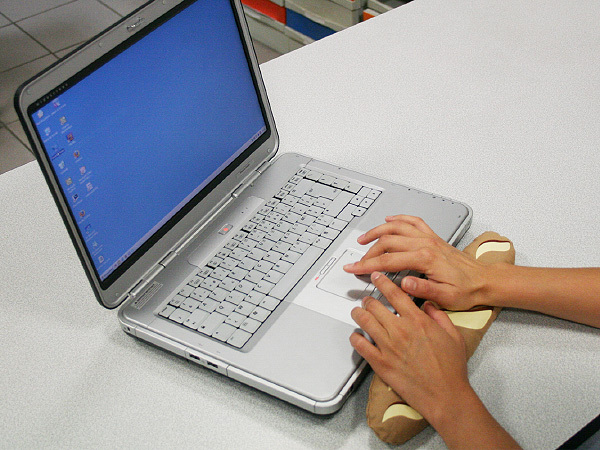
(73, 68)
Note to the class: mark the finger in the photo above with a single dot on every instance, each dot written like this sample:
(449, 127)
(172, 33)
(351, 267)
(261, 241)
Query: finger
(400, 228)
(425, 289)
(417, 222)
(383, 315)
(397, 298)
(442, 319)
(364, 348)
(369, 324)
(386, 262)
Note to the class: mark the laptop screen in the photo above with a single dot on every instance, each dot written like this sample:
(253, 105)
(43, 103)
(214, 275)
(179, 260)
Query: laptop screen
(132, 142)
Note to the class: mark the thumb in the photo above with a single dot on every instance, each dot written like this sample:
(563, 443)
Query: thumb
(442, 319)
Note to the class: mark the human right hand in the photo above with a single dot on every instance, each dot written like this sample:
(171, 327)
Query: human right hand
(454, 281)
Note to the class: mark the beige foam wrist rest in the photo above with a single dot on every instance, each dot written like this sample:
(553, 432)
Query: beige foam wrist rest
(392, 420)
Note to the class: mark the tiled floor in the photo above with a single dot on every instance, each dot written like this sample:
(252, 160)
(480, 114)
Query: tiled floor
(34, 34)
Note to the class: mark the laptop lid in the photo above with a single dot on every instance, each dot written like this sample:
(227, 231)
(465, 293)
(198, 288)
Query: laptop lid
(146, 130)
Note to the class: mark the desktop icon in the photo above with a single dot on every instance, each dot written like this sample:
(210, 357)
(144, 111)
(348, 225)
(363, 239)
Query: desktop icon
(76, 154)
(61, 165)
(70, 137)
(40, 114)
(82, 213)
(63, 120)
(69, 181)
(47, 131)
(82, 170)
(75, 197)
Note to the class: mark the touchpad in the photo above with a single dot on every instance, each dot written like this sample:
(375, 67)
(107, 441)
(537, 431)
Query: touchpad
(337, 281)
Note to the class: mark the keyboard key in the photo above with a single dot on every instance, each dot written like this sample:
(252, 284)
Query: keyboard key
(179, 315)
(322, 242)
(359, 211)
(244, 308)
(250, 325)
(339, 203)
(330, 233)
(247, 263)
(185, 291)
(264, 286)
(167, 311)
(235, 319)
(235, 297)
(269, 303)
(255, 297)
(326, 179)
(196, 319)
(254, 276)
(189, 304)
(211, 323)
(228, 283)
(302, 187)
(291, 256)
(313, 175)
(224, 332)
(239, 338)
(176, 301)
(346, 213)
(219, 294)
(366, 202)
(214, 262)
(263, 266)
(339, 183)
(282, 266)
(200, 294)
(210, 284)
(373, 194)
(324, 220)
(208, 305)
(353, 187)
(259, 314)
(338, 224)
(226, 308)
(244, 286)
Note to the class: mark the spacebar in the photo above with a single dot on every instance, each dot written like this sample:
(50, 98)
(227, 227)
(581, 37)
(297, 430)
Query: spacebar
(296, 272)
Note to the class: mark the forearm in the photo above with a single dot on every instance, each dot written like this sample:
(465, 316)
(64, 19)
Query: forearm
(469, 425)
(572, 294)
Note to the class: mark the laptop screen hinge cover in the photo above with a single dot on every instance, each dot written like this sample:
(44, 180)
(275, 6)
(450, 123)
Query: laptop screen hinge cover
(250, 179)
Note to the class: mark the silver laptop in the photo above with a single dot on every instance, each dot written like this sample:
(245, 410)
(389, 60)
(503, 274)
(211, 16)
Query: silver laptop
(159, 146)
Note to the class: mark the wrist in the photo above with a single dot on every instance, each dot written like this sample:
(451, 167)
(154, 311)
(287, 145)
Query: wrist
(497, 279)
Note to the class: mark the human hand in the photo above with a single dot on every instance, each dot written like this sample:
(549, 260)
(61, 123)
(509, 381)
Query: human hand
(419, 354)
(455, 280)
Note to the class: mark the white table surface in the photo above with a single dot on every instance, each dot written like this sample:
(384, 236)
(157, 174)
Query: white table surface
(492, 103)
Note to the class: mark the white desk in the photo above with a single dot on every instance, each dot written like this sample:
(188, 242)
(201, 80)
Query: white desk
(492, 103)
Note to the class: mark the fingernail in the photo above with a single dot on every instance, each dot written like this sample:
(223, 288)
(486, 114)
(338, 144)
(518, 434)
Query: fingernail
(360, 238)
(375, 275)
(409, 284)
(349, 266)
(364, 302)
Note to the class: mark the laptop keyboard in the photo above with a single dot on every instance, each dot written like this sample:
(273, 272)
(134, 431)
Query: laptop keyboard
(242, 284)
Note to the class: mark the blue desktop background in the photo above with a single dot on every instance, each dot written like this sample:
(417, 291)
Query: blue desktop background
(132, 140)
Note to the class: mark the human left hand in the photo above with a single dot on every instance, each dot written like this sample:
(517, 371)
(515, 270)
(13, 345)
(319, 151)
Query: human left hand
(418, 353)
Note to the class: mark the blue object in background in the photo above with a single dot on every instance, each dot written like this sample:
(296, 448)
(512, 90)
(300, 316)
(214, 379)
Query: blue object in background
(306, 26)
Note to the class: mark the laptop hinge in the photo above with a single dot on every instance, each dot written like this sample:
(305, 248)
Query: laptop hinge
(248, 181)
(141, 286)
